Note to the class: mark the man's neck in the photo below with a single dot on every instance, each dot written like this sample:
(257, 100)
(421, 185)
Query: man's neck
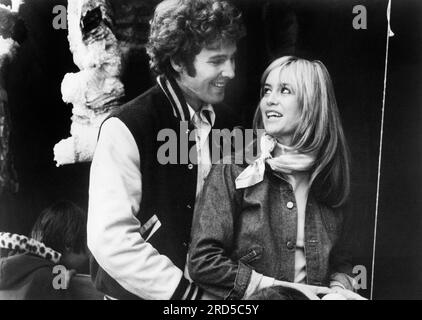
(190, 97)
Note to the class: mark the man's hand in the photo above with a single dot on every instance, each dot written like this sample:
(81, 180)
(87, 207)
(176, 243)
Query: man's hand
(209, 296)
(69, 275)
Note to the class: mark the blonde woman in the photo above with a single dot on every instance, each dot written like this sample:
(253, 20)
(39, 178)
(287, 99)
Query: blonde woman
(277, 221)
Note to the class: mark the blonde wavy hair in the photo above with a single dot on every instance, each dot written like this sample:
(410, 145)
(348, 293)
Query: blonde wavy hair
(320, 130)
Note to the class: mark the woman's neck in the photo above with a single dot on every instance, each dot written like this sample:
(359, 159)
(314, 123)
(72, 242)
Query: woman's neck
(285, 140)
(280, 149)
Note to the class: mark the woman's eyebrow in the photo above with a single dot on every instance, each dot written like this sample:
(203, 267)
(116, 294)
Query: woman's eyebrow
(285, 84)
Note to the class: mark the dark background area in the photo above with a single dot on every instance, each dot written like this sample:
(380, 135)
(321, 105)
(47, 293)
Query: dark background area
(315, 29)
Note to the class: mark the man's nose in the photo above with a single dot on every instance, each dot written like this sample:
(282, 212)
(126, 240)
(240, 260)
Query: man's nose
(228, 69)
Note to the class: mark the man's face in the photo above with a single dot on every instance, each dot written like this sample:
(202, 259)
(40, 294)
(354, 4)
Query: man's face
(214, 68)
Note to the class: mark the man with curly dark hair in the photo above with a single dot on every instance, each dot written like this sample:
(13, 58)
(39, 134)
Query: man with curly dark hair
(140, 209)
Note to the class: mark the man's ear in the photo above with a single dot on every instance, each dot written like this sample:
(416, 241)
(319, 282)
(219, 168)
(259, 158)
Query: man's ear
(177, 66)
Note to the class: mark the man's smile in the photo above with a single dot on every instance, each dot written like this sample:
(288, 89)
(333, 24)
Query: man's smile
(221, 84)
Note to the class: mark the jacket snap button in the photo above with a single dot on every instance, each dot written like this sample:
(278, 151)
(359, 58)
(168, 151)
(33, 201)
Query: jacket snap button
(190, 166)
(290, 205)
(290, 245)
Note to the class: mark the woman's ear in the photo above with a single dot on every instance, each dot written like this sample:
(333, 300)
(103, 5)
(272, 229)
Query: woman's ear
(177, 66)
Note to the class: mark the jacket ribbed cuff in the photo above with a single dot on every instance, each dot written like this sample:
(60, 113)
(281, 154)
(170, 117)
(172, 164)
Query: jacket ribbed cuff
(187, 290)
(243, 277)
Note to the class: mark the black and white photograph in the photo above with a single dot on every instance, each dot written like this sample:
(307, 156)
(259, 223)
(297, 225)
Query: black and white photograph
(239, 150)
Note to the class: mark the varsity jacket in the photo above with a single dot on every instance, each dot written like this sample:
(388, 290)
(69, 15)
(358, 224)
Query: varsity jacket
(153, 229)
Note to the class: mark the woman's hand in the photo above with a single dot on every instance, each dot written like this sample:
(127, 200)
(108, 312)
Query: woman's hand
(311, 292)
(346, 294)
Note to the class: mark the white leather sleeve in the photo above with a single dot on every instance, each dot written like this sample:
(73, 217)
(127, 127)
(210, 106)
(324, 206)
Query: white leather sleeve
(114, 236)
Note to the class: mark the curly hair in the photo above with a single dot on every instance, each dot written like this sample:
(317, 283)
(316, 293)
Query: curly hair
(181, 28)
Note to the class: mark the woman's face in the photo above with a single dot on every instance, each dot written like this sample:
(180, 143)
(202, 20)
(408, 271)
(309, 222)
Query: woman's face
(280, 106)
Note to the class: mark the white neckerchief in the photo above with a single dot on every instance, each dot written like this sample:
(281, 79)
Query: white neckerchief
(288, 162)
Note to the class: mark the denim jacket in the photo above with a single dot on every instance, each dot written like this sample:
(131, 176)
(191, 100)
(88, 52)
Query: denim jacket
(237, 231)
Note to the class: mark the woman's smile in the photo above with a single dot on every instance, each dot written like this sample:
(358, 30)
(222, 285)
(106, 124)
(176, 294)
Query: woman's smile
(273, 114)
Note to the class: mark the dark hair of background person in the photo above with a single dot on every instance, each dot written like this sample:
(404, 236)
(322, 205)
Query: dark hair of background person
(62, 227)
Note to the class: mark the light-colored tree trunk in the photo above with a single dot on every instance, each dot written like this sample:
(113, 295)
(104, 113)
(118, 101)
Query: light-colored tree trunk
(96, 90)
(8, 50)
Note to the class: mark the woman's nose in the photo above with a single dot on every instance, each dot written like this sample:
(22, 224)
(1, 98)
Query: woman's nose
(272, 99)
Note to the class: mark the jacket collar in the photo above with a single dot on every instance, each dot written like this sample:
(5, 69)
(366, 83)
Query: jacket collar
(175, 96)
(206, 114)
(22, 244)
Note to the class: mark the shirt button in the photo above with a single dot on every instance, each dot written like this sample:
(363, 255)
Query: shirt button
(190, 166)
(290, 205)
(290, 245)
